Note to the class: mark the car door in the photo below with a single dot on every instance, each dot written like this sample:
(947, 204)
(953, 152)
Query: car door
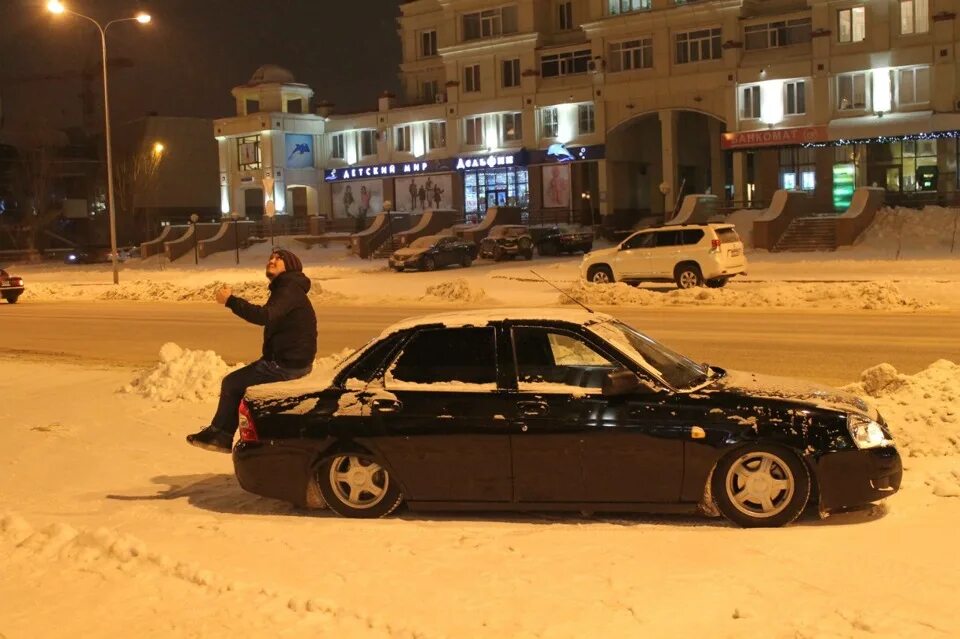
(448, 251)
(666, 254)
(441, 420)
(633, 258)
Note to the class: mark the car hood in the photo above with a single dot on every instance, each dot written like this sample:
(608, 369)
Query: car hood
(603, 252)
(409, 252)
(788, 388)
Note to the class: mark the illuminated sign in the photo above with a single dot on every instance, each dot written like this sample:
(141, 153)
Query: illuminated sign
(772, 137)
(378, 170)
(843, 185)
(299, 151)
(489, 161)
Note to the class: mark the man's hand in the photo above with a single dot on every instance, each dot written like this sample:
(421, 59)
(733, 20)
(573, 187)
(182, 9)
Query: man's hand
(223, 294)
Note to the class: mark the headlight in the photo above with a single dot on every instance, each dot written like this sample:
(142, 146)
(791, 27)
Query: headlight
(867, 433)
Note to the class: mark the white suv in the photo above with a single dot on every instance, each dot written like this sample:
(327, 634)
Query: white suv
(690, 255)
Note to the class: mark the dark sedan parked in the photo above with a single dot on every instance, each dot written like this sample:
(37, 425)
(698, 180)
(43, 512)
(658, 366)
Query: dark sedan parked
(564, 239)
(557, 410)
(434, 251)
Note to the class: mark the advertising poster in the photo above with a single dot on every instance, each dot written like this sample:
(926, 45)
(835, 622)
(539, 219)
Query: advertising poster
(556, 186)
(299, 151)
(359, 198)
(423, 192)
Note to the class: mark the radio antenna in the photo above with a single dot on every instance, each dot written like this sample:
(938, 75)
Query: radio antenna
(562, 292)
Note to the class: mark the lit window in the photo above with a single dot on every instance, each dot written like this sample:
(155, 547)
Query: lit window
(852, 91)
(511, 126)
(549, 123)
(914, 16)
(437, 135)
(616, 7)
(852, 24)
(913, 86)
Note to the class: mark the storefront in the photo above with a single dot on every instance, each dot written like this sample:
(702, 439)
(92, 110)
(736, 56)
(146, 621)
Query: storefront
(498, 179)
(565, 184)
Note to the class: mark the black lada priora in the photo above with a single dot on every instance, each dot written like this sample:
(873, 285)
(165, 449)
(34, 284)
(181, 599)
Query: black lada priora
(554, 409)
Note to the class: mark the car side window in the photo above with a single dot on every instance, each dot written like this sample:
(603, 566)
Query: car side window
(692, 236)
(369, 361)
(465, 355)
(641, 240)
(551, 359)
(668, 238)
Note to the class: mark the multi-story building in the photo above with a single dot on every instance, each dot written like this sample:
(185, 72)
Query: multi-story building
(592, 108)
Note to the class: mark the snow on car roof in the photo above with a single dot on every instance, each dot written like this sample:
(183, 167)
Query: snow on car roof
(481, 317)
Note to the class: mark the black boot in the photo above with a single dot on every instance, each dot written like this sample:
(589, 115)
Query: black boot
(211, 438)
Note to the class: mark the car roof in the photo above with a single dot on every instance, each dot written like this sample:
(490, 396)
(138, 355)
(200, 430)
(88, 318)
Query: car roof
(680, 227)
(482, 317)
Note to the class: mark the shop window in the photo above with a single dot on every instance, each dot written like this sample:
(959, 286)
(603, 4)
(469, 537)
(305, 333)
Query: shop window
(798, 170)
(491, 23)
(795, 98)
(617, 7)
(403, 138)
(750, 102)
(585, 119)
(471, 78)
(913, 86)
(500, 186)
(549, 122)
(782, 33)
(473, 133)
(566, 63)
(852, 24)
(511, 126)
(631, 54)
(368, 142)
(337, 150)
(565, 15)
(914, 16)
(699, 45)
(248, 152)
(428, 43)
(511, 73)
(852, 91)
(437, 135)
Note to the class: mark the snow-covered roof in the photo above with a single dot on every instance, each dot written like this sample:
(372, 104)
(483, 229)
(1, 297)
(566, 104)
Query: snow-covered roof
(481, 317)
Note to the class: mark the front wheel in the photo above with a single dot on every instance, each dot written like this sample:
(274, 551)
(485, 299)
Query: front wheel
(761, 486)
(466, 260)
(357, 486)
(498, 253)
(600, 275)
(429, 263)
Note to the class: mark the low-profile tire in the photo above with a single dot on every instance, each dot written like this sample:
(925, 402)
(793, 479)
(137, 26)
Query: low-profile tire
(466, 260)
(761, 486)
(429, 263)
(716, 282)
(687, 276)
(355, 485)
(600, 274)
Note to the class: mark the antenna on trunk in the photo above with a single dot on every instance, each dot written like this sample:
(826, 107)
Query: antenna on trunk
(563, 292)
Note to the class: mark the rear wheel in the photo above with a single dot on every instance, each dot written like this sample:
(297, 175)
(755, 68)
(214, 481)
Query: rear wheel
(687, 276)
(429, 263)
(12, 298)
(357, 486)
(600, 275)
(525, 245)
(466, 260)
(398, 269)
(761, 485)
(717, 282)
(498, 253)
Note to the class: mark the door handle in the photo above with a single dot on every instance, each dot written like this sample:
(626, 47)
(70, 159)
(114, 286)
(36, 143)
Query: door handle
(387, 405)
(532, 409)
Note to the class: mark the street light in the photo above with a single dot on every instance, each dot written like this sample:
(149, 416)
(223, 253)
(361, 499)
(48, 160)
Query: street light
(57, 7)
(194, 218)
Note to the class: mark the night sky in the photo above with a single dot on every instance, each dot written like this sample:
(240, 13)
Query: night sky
(192, 54)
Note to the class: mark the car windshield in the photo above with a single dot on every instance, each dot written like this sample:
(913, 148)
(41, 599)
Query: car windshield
(676, 370)
(424, 242)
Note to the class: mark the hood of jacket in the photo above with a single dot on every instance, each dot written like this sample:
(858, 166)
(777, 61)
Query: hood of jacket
(291, 278)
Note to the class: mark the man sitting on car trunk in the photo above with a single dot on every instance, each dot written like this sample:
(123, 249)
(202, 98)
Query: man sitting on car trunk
(289, 344)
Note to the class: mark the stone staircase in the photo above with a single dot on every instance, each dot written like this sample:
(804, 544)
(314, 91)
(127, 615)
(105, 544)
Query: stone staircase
(387, 248)
(814, 233)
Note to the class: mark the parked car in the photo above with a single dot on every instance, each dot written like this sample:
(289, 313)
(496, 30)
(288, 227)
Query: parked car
(690, 255)
(11, 286)
(564, 239)
(99, 255)
(554, 409)
(434, 251)
(507, 240)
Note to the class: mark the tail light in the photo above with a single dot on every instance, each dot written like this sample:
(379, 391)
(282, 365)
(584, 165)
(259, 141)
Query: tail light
(714, 246)
(248, 430)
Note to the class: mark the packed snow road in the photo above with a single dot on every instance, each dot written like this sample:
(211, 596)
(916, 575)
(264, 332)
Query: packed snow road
(825, 346)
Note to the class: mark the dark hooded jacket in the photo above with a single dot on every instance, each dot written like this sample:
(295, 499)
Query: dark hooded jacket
(288, 320)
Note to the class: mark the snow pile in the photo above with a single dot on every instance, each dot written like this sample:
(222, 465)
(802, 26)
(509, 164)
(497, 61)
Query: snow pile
(743, 220)
(919, 233)
(458, 290)
(833, 295)
(252, 291)
(182, 374)
(922, 410)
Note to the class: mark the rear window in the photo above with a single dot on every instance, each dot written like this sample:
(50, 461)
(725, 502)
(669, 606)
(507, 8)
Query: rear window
(728, 235)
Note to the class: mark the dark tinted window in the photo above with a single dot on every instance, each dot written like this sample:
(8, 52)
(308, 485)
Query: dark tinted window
(691, 236)
(365, 368)
(641, 240)
(728, 235)
(668, 238)
(449, 355)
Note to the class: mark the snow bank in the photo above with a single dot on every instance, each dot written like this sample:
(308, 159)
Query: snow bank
(458, 290)
(923, 410)
(833, 295)
(743, 219)
(255, 291)
(931, 230)
(182, 374)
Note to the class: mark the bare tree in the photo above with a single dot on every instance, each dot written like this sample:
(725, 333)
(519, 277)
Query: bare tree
(134, 175)
(35, 174)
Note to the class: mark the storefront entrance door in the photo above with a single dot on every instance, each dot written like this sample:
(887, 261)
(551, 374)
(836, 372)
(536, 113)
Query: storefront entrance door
(892, 181)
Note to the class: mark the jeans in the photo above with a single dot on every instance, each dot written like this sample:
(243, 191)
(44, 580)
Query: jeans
(236, 383)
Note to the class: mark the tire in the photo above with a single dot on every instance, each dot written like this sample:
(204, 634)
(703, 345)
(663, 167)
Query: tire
(525, 245)
(466, 260)
(355, 485)
(398, 269)
(498, 253)
(761, 486)
(687, 276)
(600, 274)
(717, 282)
(429, 263)
(12, 299)
(548, 248)
(528, 254)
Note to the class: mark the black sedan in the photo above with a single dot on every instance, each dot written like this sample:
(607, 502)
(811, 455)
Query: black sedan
(557, 410)
(564, 239)
(434, 251)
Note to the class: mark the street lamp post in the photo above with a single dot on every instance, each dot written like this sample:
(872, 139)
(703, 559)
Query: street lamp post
(194, 218)
(236, 234)
(55, 6)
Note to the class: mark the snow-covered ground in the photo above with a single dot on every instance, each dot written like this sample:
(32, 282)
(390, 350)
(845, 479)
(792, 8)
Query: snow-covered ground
(110, 525)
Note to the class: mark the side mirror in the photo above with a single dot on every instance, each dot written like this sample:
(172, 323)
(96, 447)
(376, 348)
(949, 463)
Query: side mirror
(622, 381)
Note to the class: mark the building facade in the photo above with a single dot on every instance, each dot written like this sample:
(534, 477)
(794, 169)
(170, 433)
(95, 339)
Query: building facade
(583, 109)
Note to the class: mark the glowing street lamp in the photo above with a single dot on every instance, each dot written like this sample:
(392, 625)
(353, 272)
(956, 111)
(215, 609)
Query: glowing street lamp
(57, 7)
